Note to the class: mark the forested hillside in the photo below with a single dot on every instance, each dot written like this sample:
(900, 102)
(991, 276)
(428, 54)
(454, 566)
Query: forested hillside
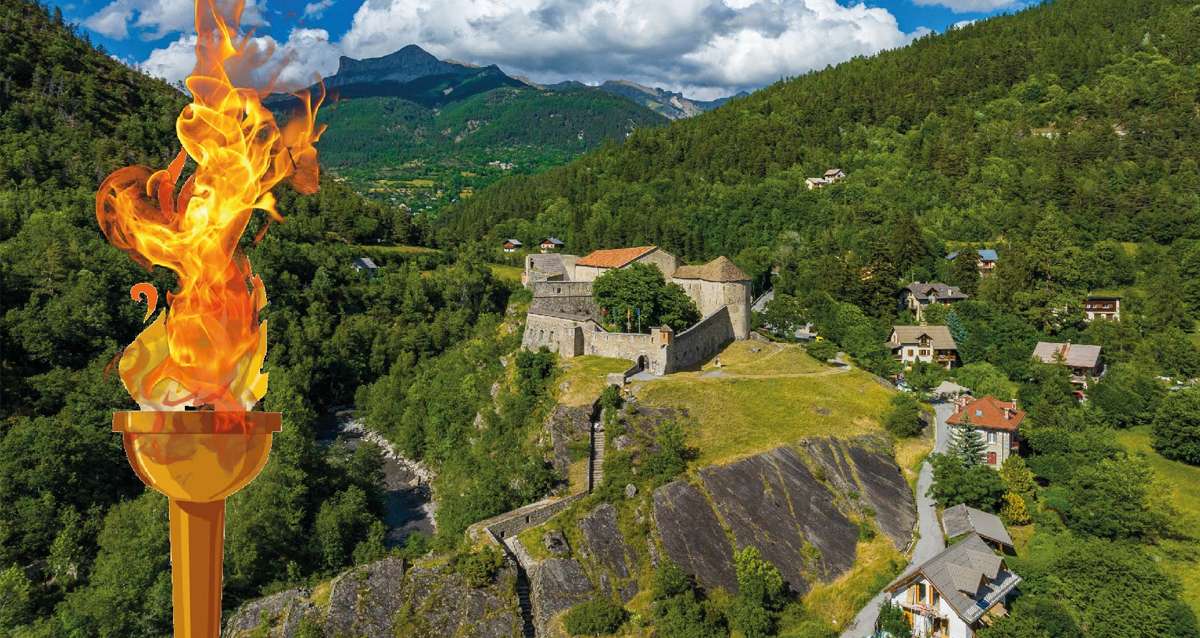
(1065, 137)
(412, 130)
(83, 545)
(1079, 104)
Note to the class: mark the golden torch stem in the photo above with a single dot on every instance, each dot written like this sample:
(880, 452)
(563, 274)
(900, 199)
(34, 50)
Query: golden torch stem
(197, 549)
(197, 460)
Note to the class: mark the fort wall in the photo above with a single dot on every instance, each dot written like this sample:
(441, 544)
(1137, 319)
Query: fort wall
(695, 345)
(630, 346)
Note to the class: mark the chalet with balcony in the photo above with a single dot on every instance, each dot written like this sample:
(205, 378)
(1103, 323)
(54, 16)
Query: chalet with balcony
(551, 244)
(931, 344)
(954, 594)
(511, 245)
(998, 422)
(1102, 307)
(1083, 361)
(918, 296)
(986, 262)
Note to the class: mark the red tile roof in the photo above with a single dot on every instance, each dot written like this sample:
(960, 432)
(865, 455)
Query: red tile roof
(989, 413)
(615, 257)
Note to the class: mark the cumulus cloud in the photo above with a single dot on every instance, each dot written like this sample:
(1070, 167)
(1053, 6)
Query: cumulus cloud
(315, 10)
(306, 55)
(154, 19)
(708, 47)
(964, 6)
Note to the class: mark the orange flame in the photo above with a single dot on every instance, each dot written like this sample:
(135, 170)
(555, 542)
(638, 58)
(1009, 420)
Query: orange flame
(207, 348)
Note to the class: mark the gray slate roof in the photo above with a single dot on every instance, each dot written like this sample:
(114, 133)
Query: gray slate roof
(364, 262)
(970, 577)
(904, 335)
(1073, 355)
(942, 292)
(960, 520)
(548, 264)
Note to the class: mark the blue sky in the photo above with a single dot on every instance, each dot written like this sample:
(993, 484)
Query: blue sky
(705, 48)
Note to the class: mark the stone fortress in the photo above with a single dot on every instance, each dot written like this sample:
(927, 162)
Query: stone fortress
(564, 318)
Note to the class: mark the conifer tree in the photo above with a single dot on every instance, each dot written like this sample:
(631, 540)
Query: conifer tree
(967, 444)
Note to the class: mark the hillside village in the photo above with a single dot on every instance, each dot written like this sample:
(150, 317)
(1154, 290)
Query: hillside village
(906, 346)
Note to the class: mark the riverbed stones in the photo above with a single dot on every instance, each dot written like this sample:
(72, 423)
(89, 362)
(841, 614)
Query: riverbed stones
(692, 536)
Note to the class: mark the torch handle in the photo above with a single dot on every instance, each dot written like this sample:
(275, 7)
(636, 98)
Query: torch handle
(197, 548)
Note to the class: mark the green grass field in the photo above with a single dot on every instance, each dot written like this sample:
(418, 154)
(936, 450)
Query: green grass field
(766, 399)
(584, 377)
(1181, 559)
(511, 274)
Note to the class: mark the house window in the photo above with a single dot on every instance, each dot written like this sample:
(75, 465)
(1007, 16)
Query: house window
(935, 598)
(991, 437)
(910, 352)
(924, 353)
(921, 592)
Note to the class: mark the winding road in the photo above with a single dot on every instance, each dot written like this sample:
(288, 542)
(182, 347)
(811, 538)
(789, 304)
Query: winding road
(930, 540)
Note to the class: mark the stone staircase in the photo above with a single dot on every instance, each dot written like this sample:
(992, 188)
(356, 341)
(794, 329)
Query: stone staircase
(596, 461)
(528, 630)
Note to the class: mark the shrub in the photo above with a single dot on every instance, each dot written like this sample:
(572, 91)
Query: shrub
(595, 617)
(954, 482)
(904, 420)
(822, 350)
(891, 620)
(1014, 510)
(479, 568)
(1176, 428)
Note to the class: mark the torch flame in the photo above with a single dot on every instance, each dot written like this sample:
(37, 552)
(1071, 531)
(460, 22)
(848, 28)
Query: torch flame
(206, 349)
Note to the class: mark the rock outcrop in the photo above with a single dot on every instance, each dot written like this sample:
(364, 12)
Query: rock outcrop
(556, 585)
(797, 505)
(383, 600)
(773, 502)
(692, 536)
(862, 469)
(567, 426)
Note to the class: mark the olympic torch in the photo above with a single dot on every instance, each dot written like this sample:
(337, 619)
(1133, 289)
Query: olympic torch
(196, 370)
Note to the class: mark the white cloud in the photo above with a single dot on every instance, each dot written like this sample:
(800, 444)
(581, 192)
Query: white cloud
(154, 19)
(315, 10)
(707, 47)
(174, 62)
(298, 62)
(964, 6)
(961, 24)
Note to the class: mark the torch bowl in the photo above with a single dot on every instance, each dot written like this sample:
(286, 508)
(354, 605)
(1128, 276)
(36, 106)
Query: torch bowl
(197, 456)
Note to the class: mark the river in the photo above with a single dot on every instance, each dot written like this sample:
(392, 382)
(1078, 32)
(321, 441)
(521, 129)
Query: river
(408, 496)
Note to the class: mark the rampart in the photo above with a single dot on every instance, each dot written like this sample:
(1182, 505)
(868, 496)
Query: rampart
(695, 345)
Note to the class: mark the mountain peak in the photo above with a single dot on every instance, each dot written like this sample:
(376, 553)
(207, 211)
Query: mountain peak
(404, 65)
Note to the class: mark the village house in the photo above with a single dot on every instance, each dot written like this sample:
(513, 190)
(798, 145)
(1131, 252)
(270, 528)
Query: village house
(961, 520)
(831, 176)
(551, 244)
(1102, 307)
(564, 317)
(954, 594)
(1083, 361)
(931, 344)
(918, 296)
(512, 245)
(998, 422)
(986, 262)
(365, 264)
